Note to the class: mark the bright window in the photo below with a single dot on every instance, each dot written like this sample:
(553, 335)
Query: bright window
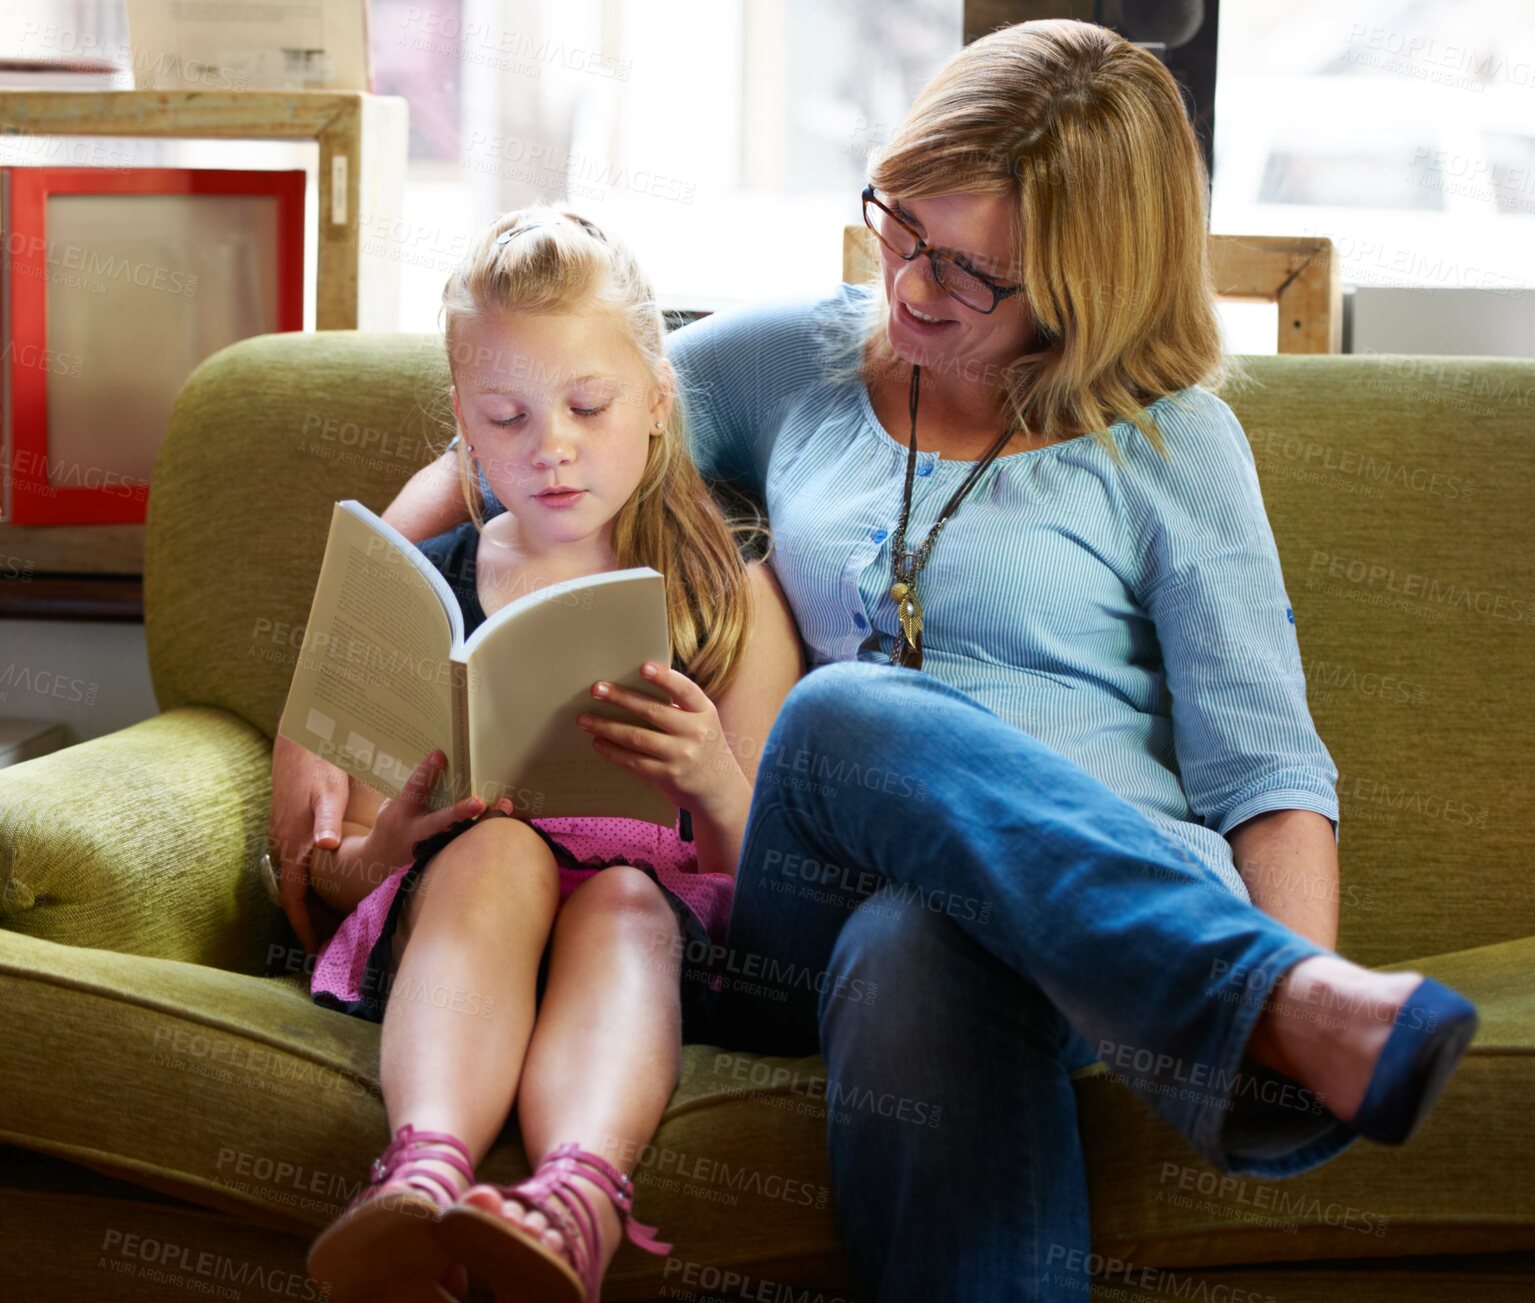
(1402, 129)
(724, 139)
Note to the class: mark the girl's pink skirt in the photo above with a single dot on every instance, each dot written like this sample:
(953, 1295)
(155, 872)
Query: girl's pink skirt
(354, 968)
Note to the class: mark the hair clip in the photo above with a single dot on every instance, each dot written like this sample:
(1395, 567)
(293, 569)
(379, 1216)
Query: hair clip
(589, 227)
(518, 230)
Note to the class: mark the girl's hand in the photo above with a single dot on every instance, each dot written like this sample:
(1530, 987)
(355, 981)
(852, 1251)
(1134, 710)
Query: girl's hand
(406, 819)
(683, 753)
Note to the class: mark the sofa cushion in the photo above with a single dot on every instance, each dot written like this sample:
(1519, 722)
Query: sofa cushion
(240, 1094)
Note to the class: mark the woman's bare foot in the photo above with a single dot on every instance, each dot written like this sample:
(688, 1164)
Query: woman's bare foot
(1324, 1025)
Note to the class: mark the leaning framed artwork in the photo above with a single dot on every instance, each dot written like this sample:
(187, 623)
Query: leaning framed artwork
(118, 282)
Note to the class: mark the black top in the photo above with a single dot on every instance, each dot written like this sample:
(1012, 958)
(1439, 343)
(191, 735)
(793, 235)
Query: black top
(454, 553)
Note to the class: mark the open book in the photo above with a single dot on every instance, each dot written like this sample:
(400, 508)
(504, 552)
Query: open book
(386, 675)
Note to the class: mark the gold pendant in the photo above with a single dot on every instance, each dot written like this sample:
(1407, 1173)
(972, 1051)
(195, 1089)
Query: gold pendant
(909, 611)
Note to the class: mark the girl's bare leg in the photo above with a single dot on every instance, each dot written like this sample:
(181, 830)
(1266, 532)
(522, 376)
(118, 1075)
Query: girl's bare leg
(607, 1049)
(460, 1010)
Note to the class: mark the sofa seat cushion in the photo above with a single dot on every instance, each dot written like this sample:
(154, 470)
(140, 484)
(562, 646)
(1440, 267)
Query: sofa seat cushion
(238, 1093)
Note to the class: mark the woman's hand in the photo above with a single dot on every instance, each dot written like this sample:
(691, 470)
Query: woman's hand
(308, 803)
(683, 753)
(406, 819)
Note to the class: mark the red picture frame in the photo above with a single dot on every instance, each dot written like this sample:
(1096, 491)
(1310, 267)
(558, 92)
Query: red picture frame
(33, 500)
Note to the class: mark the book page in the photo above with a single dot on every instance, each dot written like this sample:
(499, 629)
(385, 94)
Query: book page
(531, 668)
(372, 691)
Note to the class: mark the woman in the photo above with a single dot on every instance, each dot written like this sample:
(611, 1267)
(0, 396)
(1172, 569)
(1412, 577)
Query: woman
(1051, 788)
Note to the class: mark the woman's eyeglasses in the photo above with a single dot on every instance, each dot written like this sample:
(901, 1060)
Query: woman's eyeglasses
(974, 289)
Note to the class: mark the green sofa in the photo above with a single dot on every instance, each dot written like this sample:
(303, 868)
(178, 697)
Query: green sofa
(177, 1116)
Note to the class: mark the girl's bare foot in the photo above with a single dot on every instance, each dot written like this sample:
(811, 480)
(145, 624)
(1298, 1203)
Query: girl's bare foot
(1325, 1024)
(457, 1181)
(383, 1245)
(515, 1210)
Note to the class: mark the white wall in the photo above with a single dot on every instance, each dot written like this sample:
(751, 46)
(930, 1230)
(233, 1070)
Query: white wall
(1445, 322)
(91, 677)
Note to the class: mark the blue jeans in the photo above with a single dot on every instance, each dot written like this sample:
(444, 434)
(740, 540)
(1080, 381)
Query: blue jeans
(958, 917)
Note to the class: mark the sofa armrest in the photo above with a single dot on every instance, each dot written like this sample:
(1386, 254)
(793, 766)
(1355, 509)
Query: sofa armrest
(145, 841)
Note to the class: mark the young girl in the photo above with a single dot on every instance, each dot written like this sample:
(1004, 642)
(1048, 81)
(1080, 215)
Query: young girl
(536, 963)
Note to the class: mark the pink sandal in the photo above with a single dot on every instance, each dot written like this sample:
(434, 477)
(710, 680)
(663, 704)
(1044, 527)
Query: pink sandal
(383, 1248)
(516, 1262)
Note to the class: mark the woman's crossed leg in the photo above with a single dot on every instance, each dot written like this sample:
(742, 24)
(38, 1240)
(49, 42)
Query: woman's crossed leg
(883, 789)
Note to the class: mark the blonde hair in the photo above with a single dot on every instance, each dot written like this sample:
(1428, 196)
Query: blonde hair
(1088, 133)
(563, 263)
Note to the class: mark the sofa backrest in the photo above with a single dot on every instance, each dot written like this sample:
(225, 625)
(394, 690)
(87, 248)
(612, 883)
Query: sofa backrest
(1398, 490)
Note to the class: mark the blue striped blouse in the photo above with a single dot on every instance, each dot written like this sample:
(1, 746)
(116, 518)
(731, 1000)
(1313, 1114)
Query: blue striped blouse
(1133, 618)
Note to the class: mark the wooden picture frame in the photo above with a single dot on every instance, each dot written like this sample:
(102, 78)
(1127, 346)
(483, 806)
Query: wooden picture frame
(362, 143)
